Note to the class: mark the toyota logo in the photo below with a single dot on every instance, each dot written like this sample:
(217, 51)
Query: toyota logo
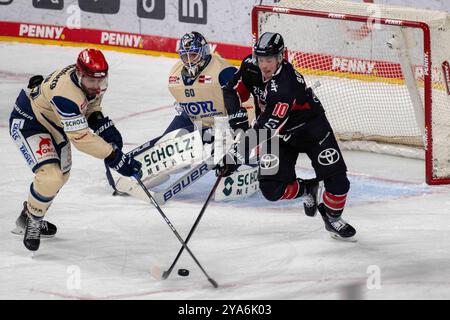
(269, 161)
(328, 157)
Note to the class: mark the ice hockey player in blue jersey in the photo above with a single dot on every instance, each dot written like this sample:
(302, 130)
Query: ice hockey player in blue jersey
(295, 119)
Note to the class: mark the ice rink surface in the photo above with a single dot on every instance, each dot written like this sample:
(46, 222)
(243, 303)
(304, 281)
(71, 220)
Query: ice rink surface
(106, 246)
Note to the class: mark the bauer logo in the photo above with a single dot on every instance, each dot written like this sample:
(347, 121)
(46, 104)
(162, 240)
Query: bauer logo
(151, 9)
(186, 182)
(100, 6)
(192, 11)
(36, 31)
(49, 4)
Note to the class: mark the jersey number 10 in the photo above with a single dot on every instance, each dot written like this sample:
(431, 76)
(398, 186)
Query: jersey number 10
(280, 110)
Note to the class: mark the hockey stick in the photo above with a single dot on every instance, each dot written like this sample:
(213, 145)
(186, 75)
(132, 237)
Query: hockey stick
(152, 200)
(112, 183)
(167, 273)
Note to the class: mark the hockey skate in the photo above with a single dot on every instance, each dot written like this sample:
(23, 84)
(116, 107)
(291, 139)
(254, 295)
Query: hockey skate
(32, 236)
(48, 230)
(310, 197)
(337, 227)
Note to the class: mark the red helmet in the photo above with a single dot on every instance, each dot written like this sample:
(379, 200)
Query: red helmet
(92, 63)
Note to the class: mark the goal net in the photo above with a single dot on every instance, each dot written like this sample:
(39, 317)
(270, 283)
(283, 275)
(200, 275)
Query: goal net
(382, 72)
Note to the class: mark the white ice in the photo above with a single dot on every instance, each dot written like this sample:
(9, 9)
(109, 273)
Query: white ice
(106, 246)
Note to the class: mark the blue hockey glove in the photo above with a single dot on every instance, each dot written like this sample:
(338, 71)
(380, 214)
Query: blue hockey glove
(124, 164)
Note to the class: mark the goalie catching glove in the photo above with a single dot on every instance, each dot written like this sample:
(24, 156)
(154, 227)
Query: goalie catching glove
(124, 164)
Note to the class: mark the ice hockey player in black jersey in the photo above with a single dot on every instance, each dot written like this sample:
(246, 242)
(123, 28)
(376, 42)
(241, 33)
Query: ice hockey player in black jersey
(289, 111)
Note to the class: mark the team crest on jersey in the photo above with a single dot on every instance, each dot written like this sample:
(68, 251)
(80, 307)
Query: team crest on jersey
(204, 79)
(174, 79)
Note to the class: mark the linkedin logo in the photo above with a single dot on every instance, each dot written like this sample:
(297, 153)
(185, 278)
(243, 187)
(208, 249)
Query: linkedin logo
(192, 11)
(151, 9)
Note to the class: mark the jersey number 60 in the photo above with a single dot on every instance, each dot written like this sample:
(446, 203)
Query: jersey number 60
(189, 93)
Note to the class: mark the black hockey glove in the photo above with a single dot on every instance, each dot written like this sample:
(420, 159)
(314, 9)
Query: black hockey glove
(34, 81)
(104, 127)
(230, 162)
(239, 120)
(124, 164)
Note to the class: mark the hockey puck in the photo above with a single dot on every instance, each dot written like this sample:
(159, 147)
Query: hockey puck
(183, 272)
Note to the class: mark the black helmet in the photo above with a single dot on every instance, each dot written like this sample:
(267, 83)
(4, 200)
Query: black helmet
(269, 44)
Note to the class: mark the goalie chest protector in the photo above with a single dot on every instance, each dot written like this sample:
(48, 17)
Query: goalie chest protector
(203, 100)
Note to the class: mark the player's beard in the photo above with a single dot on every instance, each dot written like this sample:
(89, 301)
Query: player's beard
(97, 90)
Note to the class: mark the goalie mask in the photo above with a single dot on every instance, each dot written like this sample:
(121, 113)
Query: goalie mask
(92, 72)
(194, 52)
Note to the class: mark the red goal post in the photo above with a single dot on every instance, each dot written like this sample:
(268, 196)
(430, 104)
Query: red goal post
(402, 86)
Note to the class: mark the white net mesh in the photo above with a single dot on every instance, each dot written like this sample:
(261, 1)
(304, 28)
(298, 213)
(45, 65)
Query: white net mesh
(371, 75)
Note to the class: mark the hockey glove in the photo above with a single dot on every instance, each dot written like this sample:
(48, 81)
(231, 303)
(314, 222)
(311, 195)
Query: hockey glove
(34, 81)
(124, 164)
(239, 120)
(230, 162)
(104, 128)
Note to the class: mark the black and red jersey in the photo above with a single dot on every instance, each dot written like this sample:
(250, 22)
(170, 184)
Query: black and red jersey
(283, 103)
